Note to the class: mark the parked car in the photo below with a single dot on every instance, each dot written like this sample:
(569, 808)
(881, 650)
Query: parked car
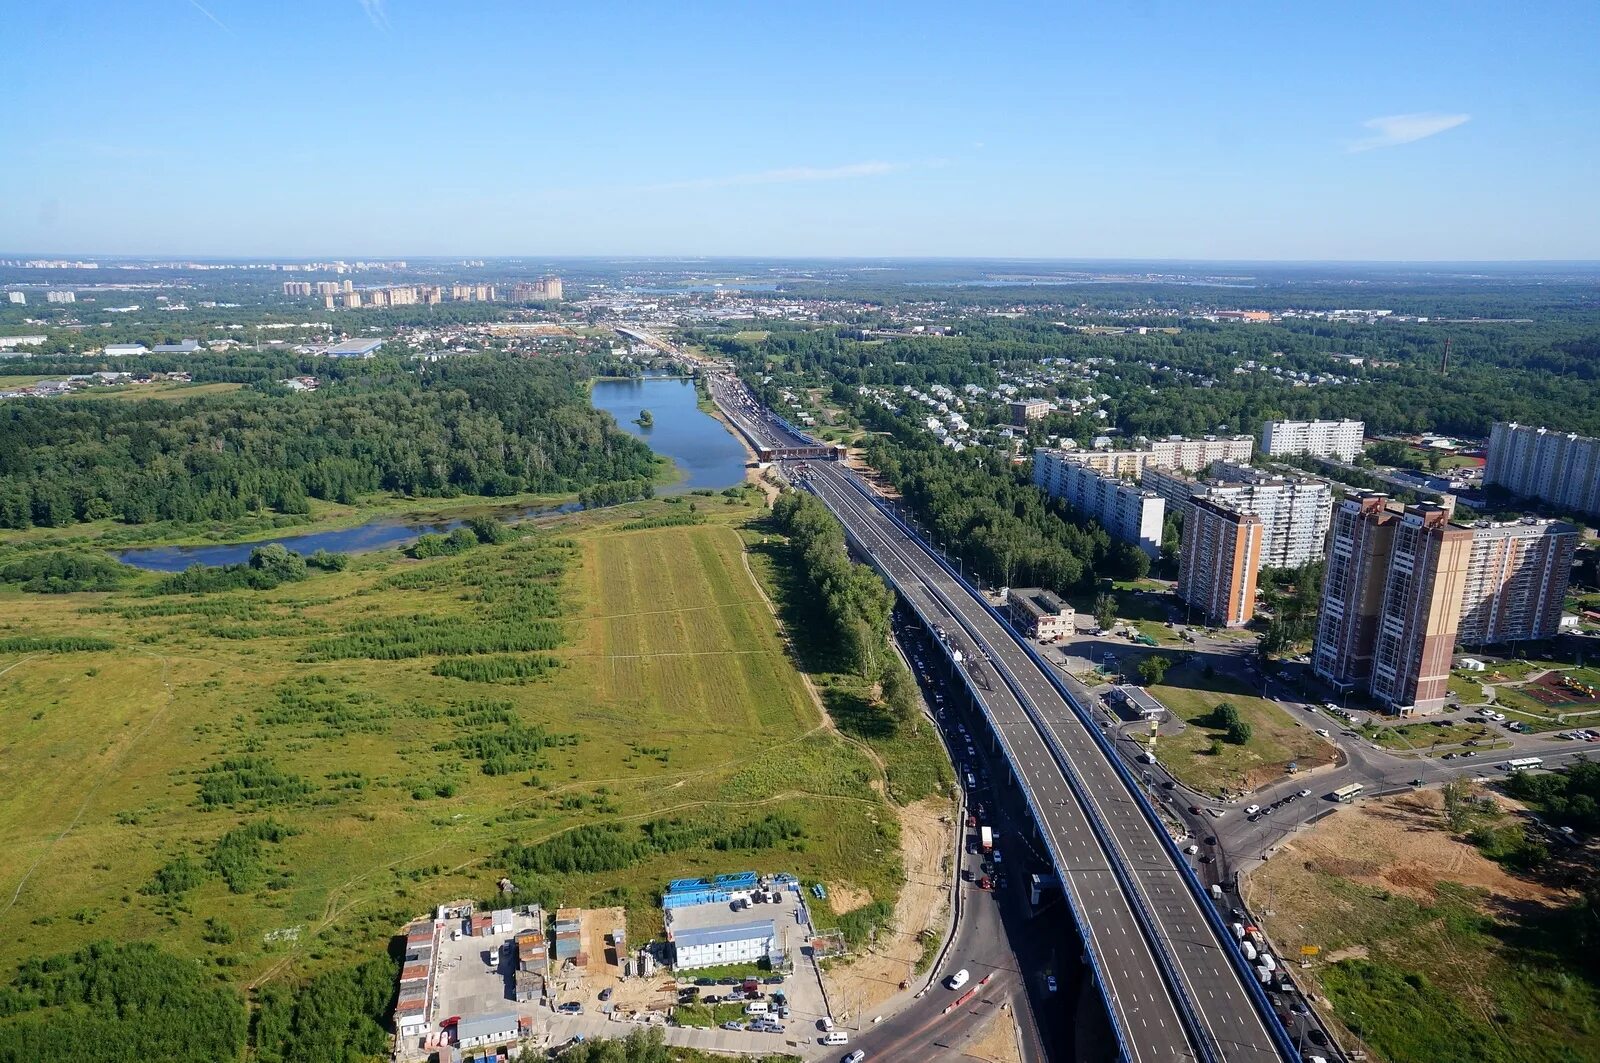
(731, 1025)
(571, 1007)
(605, 994)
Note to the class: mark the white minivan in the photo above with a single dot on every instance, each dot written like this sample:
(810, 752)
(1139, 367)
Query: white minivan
(1252, 810)
(836, 1037)
(957, 980)
(758, 1008)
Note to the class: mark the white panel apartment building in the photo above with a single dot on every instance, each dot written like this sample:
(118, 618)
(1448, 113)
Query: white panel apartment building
(1319, 439)
(1562, 469)
(1128, 513)
(1174, 452)
(1295, 511)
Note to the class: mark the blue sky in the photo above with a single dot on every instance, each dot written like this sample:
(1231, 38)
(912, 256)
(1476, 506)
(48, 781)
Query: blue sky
(1412, 131)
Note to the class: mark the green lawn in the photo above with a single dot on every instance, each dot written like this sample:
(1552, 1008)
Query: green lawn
(1421, 737)
(1202, 760)
(674, 704)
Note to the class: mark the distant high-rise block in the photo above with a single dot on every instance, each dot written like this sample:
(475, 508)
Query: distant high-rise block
(1561, 469)
(297, 289)
(60, 297)
(20, 298)
(1319, 439)
(1220, 554)
(1294, 510)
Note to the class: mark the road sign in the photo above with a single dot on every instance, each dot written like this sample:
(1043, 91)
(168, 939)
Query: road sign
(1309, 950)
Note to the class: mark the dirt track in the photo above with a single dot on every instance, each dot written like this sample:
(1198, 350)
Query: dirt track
(874, 976)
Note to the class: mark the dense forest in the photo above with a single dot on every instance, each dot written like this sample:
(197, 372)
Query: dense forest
(481, 426)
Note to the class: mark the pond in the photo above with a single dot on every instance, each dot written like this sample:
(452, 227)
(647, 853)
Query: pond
(699, 444)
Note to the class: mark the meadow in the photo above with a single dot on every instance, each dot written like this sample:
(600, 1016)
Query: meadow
(271, 782)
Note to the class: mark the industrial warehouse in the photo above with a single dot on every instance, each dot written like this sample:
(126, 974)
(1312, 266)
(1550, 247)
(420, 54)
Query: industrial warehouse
(473, 981)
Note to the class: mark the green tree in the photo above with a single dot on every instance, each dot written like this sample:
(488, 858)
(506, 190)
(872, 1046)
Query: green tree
(1239, 732)
(1153, 669)
(1105, 610)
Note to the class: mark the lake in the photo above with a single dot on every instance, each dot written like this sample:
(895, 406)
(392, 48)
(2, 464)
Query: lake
(699, 444)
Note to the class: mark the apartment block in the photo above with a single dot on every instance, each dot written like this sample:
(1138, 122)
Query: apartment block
(1421, 611)
(1359, 543)
(1517, 580)
(1129, 514)
(298, 289)
(1294, 511)
(1404, 586)
(1561, 469)
(1192, 455)
(1319, 439)
(1220, 555)
(1026, 410)
(60, 297)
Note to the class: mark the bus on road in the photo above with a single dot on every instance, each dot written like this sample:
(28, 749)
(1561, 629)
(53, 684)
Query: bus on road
(1346, 794)
(1523, 764)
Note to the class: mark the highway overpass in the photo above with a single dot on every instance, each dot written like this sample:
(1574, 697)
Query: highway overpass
(1174, 983)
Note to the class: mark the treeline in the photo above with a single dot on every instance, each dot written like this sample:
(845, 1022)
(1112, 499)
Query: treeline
(858, 603)
(985, 510)
(492, 425)
(1570, 796)
(65, 572)
(615, 493)
(119, 1003)
(593, 848)
(269, 566)
(337, 1016)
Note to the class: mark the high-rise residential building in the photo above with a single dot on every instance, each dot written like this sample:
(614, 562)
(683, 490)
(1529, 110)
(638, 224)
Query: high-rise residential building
(352, 299)
(21, 298)
(461, 293)
(1558, 468)
(326, 288)
(296, 289)
(347, 286)
(1218, 561)
(547, 288)
(432, 294)
(1516, 581)
(61, 297)
(1127, 513)
(1404, 586)
(1421, 611)
(1294, 510)
(377, 296)
(1352, 590)
(1319, 439)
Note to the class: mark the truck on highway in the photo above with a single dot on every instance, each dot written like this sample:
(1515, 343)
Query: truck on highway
(985, 839)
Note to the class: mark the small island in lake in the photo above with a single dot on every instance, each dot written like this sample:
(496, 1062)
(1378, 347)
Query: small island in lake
(644, 420)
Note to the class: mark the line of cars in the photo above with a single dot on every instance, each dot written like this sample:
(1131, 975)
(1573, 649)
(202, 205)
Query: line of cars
(1255, 812)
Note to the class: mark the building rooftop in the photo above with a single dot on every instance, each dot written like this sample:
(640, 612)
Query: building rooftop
(1038, 601)
(1141, 699)
(711, 935)
(486, 1025)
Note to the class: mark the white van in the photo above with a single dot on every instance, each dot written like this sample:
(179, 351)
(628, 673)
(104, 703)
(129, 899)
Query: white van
(836, 1037)
(757, 1008)
(957, 980)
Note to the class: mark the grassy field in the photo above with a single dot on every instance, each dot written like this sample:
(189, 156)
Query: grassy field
(1202, 760)
(287, 771)
(166, 390)
(1428, 951)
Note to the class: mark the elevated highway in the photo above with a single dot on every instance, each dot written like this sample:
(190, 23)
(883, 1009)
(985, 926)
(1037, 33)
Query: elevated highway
(1174, 983)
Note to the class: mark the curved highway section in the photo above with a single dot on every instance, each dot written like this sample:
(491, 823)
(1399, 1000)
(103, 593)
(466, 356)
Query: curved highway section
(1175, 985)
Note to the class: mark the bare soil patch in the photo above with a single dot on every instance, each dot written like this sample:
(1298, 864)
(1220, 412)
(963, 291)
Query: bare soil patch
(997, 1043)
(927, 842)
(1402, 844)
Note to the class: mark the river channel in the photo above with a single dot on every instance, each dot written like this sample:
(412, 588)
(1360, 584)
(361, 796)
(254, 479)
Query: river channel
(702, 448)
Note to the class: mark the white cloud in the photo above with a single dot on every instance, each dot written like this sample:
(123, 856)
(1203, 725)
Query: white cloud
(1405, 128)
(790, 175)
(375, 13)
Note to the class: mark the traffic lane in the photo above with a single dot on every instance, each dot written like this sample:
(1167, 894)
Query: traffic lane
(1235, 1022)
(1149, 1018)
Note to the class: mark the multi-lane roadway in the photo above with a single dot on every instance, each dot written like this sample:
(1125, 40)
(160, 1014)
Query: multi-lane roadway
(1171, 986)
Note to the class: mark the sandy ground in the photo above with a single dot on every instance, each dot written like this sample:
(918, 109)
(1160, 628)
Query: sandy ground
(1400, 844)
(998, 1041)
(847, 899)
(927, 844)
